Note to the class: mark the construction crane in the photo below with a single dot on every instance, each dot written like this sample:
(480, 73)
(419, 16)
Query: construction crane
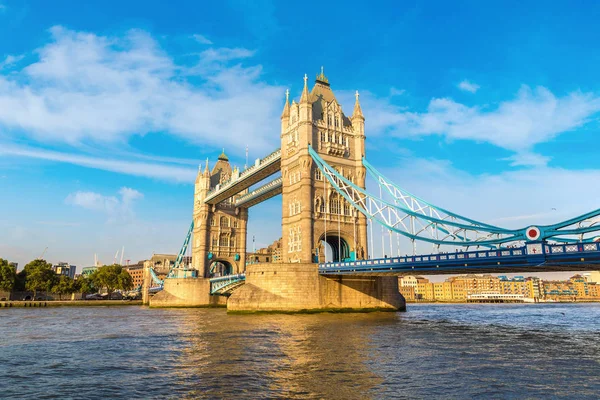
(43, 252)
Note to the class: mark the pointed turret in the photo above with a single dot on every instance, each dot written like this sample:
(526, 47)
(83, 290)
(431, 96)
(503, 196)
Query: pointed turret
(286, 107)
(358, 119)
(206, 170)
(357, 110)
(305, 105)
(304, 97)
(285, 115)
(223, 156)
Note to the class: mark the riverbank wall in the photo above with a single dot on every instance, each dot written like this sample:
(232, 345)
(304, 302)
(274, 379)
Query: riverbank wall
(70, 303)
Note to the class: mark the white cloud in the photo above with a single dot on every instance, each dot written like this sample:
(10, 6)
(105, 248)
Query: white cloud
(513, 199)
(468, 86)
(85, 88)
(528, 159)
(114, 207)
(10, 60)
(534, 116)
(162, 171)
(201, 39)
(396, 92)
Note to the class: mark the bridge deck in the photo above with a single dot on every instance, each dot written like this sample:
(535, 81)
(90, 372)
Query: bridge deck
(260, 194)
(262, 169)
(549, 258)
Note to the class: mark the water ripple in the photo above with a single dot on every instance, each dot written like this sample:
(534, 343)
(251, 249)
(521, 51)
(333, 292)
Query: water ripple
(432, 351)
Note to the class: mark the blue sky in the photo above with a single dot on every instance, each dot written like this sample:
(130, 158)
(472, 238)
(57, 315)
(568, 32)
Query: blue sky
(107, 108)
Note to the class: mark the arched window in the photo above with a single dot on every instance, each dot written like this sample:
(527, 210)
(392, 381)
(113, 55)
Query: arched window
(334, 207)
(224, 241)
(224, 222)
(329, 119)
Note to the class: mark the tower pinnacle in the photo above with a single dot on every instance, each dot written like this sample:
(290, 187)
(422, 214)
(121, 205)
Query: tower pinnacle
(206, 170)
(286, 107)
(304, 97)
(321, 78)
(357, 110)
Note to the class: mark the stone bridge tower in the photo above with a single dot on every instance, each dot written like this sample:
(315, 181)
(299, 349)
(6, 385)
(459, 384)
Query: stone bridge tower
(219, 241)
(313, 213)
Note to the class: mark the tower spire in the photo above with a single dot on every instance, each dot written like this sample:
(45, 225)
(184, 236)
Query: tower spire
(206, 170)
(357, 110)
(286, 107)
(304, 97)
(321, 78)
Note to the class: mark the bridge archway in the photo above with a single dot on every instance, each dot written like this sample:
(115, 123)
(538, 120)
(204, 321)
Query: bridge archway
(333, 247)
(220, 268)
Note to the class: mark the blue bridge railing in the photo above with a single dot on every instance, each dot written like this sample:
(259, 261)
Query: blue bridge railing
(535, 256)
(224, 285)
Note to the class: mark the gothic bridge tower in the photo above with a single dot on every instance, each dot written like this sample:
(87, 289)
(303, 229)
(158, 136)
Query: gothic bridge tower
(313, 213)
(219, 241)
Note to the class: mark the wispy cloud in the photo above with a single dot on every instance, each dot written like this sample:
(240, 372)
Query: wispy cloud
(468, 86)
(10, 60)
(164, 172)
(534, 116)
(201, 39)
(528, 159)
(396, 92)
(114, 207)
(513, 199)
(86, 88)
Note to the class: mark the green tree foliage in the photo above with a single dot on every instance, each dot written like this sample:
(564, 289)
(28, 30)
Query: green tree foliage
(39, 276)
(8, 276)
(64, 285)
(85, 284)
(111, 278)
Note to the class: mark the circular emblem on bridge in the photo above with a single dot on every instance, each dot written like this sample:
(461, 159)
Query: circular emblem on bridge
(533, 233)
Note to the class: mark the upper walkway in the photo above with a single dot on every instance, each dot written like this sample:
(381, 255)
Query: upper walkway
(260, 194)
(261, 169)
(533, 257)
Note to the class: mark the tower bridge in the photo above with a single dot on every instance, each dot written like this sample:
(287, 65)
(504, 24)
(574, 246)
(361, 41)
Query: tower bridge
(325, 203)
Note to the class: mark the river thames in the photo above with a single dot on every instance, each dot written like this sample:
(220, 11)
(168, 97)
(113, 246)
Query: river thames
(432, 351)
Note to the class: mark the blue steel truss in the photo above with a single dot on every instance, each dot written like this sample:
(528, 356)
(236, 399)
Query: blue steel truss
(224, 285)
(533, 257)
(417, 219)
(173, 272)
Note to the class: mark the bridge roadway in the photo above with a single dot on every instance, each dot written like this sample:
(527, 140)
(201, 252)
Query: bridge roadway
(260, 194)
(533, 257)
(262, 169)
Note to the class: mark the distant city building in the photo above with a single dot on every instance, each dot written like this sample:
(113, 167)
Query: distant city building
(592, 276)
(137, 273)
(488, 288)
(269, 254)
(87, 271)
(65, 269)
